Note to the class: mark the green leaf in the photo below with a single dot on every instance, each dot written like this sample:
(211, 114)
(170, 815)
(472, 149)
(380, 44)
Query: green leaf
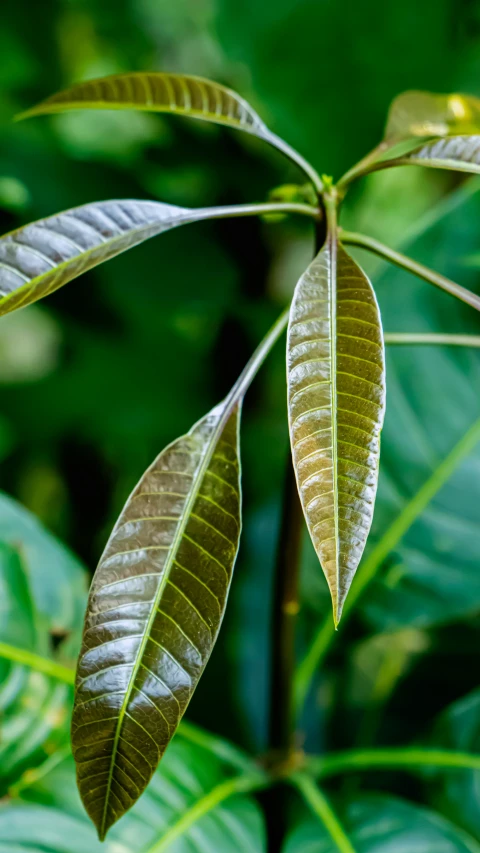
(381, 824)
(459, 153)
(183, 798)
(41, 257)
(456, 793)
(155, 609)
(426, 114)
(336, 390)
(34, 605)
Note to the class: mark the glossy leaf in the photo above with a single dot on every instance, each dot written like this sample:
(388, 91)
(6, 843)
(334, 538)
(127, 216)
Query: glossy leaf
(47, 814)
(155, 608)
(427, 114)
(39, 258)
(179, 94)
(459, 153)
(336, 390)
(380, 824)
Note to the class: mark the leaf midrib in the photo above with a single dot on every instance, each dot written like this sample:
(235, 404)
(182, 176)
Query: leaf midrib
(332, 286)
(170, 559)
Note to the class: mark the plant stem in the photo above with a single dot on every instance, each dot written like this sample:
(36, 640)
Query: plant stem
(37, 663)
(238, 785)
(370, 566)
(412, 266)
(320, 806)
(261, 209)
(297, 158)
(364, 166)
(285, 610)
(392, 759)
(434, 338)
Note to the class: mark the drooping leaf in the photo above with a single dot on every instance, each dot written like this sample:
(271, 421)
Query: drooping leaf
(39, 258)
(47, 814)
(427, 114)
(380, 824)
(336, 390)
(179, 94)
(155, 609)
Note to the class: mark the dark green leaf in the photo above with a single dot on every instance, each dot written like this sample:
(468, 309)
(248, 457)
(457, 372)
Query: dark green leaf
(380, 824)
(48, 815)
(336, 387)
(155, 608)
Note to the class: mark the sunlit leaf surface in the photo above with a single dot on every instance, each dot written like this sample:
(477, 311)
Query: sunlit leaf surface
(336, 392)
(155, 608)
(427, 114)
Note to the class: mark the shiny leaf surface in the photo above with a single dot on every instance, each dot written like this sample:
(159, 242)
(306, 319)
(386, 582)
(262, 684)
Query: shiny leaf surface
(336, 391)
(426, 114)
(155, 608)
(39, 258)
(179, 94)
(380, 824)
(47, 814)
(459, 153)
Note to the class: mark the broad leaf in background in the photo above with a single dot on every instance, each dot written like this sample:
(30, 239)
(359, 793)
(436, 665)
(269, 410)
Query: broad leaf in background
(39, 258)
(456, 792)
(427, 114)
(42, 596)
(336, 401)
(46, 813)
(381, 824)
(155, 609)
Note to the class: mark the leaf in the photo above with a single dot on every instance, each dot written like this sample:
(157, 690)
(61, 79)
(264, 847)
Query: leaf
(426, 114)
(48, 814)
(336, 391)
(179, 94)
(155, 609)
(456, 792)
(382, 824)
(34, 604)
(459, 153)
(41, 257)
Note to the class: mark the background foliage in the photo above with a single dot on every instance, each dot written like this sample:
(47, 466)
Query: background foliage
(97, 379)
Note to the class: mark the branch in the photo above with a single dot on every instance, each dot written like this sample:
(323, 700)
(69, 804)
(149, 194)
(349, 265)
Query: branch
(433, 338)
(412, 266)
(392, 759)
(320, 806)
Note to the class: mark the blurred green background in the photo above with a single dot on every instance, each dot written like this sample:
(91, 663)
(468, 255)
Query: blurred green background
(99, 377)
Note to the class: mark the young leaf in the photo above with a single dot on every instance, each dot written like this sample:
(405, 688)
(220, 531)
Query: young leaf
(155, 608)
(179, 94)
(336, 391)
(426, 114)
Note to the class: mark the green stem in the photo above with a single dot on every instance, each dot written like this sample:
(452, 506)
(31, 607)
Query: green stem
(38, 663)
(252, 367)
(370, 566)
(238, 785)
(412, 266)
(224, 750)
(364, 166)
(392, 759)
(433, 338)
(320, 806)
(237, 210)
(297, 158)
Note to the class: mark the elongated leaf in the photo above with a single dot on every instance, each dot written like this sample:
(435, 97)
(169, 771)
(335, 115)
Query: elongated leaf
(336, 390)
(155, 608)
(426, 114)
(39, 258)
(179, 94)
(459, 153)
